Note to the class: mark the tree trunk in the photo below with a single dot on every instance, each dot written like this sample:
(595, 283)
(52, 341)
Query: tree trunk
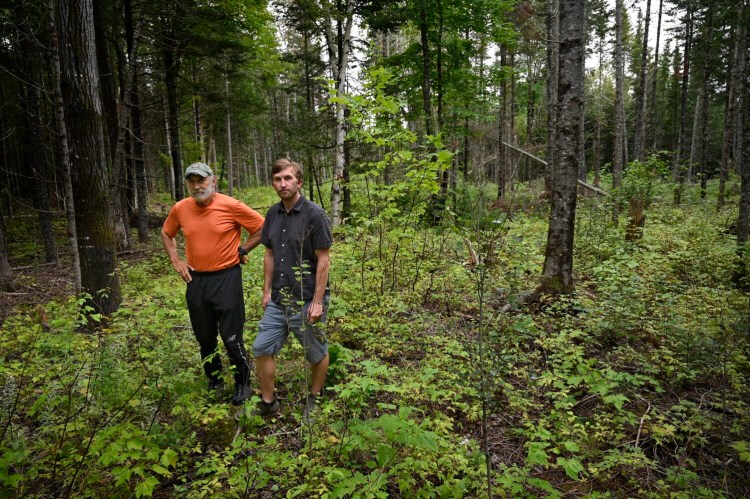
(734, 85)
(502, 126)
(62, 133)
(33, 143)
(640, 94)
(171, 70)
(651, 109)
(6, 275)
(141, 177)
(553, 47)
(678, 167)
(339, 60)
(230, 162)
(83, 112)
(557, 276)
(619, 138)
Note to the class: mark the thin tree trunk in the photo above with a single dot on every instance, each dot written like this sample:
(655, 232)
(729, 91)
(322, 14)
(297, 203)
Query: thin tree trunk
(6, 274)
(230, 159)
(70, 212)
(502, 165)
(651, 109)
(640, 95)
(733, 90)
(33, 145)
(557, 276)
(339, 64)
(136, 127)
(553, 47)
(171, 70)
(619, 139)
(677, 168)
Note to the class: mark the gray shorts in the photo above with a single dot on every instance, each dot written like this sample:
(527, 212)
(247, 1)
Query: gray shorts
(276, 323)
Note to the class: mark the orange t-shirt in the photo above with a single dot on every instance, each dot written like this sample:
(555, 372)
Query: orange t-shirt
(212, 233)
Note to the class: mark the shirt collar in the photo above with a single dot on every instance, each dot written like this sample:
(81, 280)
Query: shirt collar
(297, 206)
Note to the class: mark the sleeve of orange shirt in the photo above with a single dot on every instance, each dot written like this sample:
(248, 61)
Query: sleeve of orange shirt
(250, 219)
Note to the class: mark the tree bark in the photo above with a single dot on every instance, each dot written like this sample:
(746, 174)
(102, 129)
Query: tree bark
(639, 142)
(651, 109)
(171, 71)
(137, 129)
(734, 85)
(619, 138)
(32, 141)
(553, 46)
(62, 133)
(83, 112)
(557, 276)
(678, 167)
(6, 275)
(339, 60)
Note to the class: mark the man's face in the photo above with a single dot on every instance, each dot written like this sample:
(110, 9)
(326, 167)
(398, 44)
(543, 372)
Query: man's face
(286, 184)
(202, 189)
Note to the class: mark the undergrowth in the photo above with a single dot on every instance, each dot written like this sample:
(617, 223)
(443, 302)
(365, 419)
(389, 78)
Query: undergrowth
(634, 386)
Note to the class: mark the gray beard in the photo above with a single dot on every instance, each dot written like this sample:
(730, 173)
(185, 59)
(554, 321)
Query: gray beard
(203, 197)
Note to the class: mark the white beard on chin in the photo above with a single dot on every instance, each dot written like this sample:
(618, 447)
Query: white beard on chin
(203, 197)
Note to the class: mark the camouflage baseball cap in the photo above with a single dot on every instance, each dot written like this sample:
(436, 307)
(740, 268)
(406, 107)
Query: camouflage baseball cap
(199, 168)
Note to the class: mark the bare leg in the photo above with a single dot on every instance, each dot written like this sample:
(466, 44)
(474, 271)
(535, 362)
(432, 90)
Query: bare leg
(319, 372)
(265, 369)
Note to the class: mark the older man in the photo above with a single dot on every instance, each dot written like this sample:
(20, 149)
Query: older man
(212, 224)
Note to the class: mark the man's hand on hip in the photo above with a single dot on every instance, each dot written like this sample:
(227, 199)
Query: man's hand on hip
(183, 270)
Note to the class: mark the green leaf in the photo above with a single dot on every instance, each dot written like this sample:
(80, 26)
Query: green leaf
(536, 454)
(169, 458)
(571, 466)
(146, 487)
(743, 449)
(386, 453)
(616, 400)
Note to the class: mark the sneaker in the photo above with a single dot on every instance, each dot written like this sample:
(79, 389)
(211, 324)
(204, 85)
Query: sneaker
(267, 408)
(241, 393)
(311, 404)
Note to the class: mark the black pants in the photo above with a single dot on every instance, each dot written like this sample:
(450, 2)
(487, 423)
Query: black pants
(217, 306)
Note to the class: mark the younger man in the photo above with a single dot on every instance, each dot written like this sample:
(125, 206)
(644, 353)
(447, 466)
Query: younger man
(297, 237)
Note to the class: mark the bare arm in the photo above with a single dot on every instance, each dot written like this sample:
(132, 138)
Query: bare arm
(180, 266)
(251, 243)
(267, 276)
(315, 310)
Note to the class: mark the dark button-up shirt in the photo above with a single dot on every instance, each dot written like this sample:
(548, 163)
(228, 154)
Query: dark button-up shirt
(293, 237)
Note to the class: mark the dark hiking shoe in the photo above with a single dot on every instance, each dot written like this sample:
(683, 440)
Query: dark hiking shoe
(267, 408)
(311, 405)
(241, 393)
(215, 388)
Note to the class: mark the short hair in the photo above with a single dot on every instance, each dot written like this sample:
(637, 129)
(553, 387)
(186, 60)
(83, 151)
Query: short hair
(283, 164)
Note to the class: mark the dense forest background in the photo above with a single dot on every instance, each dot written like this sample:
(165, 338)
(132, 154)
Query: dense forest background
(540, 275)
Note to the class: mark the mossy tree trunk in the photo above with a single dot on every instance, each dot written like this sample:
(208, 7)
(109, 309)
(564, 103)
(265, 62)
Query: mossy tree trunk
(89, 173)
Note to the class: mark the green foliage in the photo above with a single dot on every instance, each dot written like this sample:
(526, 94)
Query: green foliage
(635, 386)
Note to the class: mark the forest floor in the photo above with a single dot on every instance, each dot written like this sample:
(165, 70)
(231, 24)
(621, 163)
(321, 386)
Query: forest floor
(637, 385)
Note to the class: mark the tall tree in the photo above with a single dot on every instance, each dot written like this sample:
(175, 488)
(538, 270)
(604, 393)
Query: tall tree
(639, 141)
(84, 122)
(557, 275)
(339, 57)
(678, 168)
(63, 144)
(553, 47)
(619, 137)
